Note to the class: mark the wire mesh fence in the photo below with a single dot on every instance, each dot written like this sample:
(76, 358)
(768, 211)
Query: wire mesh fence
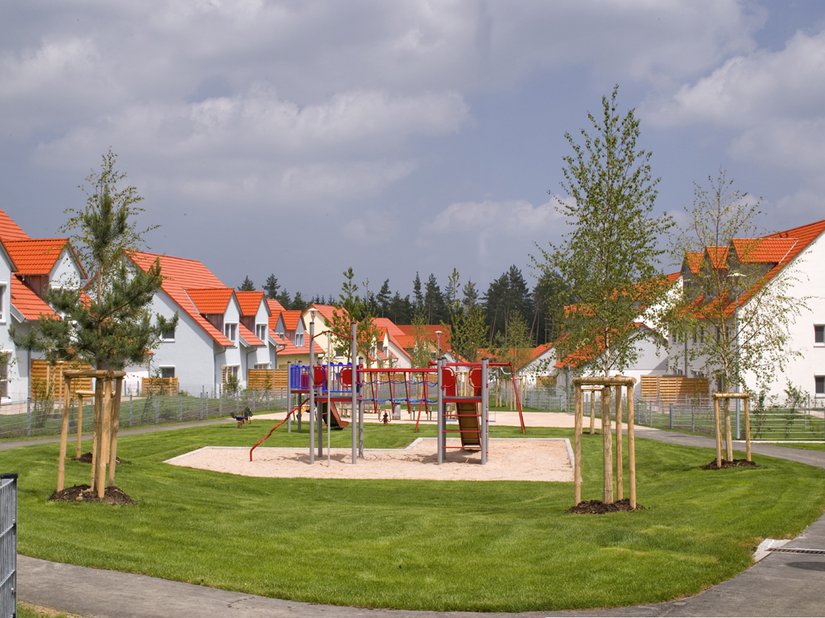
(42, 417)
(8, 544)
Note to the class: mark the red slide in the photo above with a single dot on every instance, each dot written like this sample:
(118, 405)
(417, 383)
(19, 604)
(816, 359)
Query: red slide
(271, 431)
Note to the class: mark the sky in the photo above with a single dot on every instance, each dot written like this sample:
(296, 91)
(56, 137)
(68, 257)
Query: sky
(301, 137)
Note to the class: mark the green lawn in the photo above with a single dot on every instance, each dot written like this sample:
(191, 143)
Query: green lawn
(503, 546)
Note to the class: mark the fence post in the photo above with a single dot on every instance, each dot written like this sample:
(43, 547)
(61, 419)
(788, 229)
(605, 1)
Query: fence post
(180, 406)
(28, 416)
(670, 416)
(130, 409)
(738, 433)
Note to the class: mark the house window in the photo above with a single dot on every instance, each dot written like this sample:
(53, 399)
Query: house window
(230, 375)
(260, 331)
(819, 386)
(299, 340)
(168, 334)
(4, 373)
(167, 372)
(261, 365)
(819, 334)
(230, 329)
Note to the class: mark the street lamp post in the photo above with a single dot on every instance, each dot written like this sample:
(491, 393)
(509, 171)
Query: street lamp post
(437, 343)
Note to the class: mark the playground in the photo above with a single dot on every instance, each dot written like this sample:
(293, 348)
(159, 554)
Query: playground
(511, 459)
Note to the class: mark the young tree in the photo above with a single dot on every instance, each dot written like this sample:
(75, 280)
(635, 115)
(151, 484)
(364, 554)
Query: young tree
(107, 323)
(247, 285)
(435, 309)
(608, 258)
(731, 322)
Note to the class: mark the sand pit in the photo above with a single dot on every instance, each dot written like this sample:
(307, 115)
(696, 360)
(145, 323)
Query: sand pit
(509, 459)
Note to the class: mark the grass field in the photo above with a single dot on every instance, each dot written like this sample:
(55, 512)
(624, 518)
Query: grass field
(503, 546)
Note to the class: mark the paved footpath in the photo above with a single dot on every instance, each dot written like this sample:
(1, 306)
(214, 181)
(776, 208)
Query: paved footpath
(786, 583)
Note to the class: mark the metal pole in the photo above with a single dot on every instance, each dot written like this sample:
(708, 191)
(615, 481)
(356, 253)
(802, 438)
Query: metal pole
(360, 422)
(440, 412)
(485, 412)
(311, 388)
(354, 387)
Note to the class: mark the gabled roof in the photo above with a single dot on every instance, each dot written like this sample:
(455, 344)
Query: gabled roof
(29, 304)
(9, 230)
(36, 256)
(274, 306)
(291, 317)
(693, 259)
(249, 338)
(718, 256)
(249, 301)
(326, 311)
(763, 250)
(179, 274)
(210, 300)
(408, 334)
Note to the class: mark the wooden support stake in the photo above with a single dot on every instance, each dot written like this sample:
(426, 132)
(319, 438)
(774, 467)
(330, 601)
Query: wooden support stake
(718, 433)
(577, 448)
(64, 439)
(631, 446)
(607, 443)
(115, 427)
(619, 461)
(103, 439)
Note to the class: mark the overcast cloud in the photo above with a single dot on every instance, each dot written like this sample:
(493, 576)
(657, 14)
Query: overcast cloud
(299, 138)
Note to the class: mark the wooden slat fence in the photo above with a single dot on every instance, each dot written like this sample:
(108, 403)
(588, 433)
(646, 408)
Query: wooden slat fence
(267, 379)
(670, 389)
(47, 380)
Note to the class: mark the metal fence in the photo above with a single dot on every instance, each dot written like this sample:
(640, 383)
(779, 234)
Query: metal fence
(43, 417)
(767, 424)
(8, 545)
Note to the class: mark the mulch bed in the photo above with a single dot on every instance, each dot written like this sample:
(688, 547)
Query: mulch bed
(736, 463)
(84, 493)
(87, 458)
(597, 507)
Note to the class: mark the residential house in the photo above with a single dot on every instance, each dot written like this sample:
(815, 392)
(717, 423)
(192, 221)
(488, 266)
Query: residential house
(211, 348)
(791, 258)
(290, 332)
(29, 267)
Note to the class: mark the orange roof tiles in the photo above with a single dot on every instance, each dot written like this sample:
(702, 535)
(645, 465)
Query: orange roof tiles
(36, 256)
(179, 274)
(763, 250)
(693, 259)
(29, 304)
(249, 337)
(291, 319)
(274, 306)
(210, 300)
(9, 230)
(326, 311)
(249, 301)
(718, 256)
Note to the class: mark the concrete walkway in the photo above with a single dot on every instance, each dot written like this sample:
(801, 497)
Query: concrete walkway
(790, 582)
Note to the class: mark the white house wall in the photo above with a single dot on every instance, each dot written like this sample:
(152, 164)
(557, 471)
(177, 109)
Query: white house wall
(65, 272)
(192, 352)
(810, 284)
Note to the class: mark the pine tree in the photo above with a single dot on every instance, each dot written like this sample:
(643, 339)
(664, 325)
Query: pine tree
(271, 287)
(247, 285)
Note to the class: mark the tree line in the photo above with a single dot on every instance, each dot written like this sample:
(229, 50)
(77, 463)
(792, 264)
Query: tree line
(508, 304)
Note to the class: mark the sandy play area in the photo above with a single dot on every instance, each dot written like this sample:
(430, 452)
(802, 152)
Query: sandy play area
(509, 459)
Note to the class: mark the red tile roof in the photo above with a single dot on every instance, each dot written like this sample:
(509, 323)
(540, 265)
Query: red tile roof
(210, 300)
(179, 274)
(274, 306)
(718, 256)
(35, 256)
(249, 337)
(693, 259)
(9, 230)
(29, 304)
(326, 311)
(249, 301)
(291, 319)
(763, 250)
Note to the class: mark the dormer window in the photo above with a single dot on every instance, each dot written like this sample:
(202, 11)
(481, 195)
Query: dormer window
(299, 340)
(819, 334)
(260, 331)
(230, 330)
